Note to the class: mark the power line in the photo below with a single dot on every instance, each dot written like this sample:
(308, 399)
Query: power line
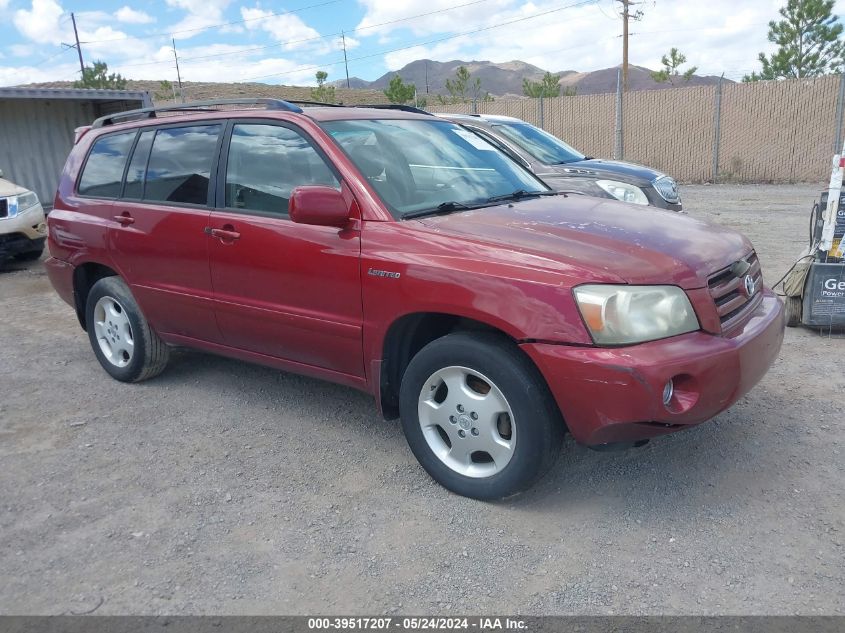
(435, 41)
(310, 39)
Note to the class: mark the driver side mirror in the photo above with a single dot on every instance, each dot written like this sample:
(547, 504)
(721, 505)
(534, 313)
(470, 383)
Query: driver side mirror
(318, 205)
(1, 173)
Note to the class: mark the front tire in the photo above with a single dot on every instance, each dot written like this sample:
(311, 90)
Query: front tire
(122, 340)
(478, 415)
(30, 256)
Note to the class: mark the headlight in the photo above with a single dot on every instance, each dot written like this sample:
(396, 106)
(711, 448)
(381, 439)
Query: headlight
(623, 191)
(619, 315)
(27, 201)
(21, 203)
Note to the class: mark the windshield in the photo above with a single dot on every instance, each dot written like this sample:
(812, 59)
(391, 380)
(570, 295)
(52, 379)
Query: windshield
(540, 144)
(418, 165)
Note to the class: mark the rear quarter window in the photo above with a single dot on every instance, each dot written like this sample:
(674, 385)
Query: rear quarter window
(102, 175)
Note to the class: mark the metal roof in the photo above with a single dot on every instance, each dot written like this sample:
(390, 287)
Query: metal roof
(75, 94)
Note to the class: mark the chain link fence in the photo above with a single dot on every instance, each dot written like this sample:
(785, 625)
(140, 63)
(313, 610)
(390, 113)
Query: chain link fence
(774, 131)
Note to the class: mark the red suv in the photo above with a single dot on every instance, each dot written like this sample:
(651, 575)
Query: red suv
(401, 254)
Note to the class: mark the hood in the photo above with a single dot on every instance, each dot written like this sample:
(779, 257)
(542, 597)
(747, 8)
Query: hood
(604, 238)
(609, 169)
(8, 188)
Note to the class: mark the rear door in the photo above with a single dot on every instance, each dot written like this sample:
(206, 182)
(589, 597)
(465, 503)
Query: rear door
(282, 289)
(159, 228)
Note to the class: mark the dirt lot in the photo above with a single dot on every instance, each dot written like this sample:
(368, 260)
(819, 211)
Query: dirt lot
(222, 487)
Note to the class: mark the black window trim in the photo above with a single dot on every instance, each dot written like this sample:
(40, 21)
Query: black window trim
(88, 156)
(141, 132)
(212, 176)
(223, 162)
(212, 185)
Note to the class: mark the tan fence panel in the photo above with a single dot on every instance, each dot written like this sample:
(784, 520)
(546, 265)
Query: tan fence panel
(774, 131)
(671, 130)
(778, 131)
(586, 122)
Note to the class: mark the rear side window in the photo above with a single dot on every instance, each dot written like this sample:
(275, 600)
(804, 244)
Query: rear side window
(266, 162)
(138, 166)
(179, 169)
(102, 175)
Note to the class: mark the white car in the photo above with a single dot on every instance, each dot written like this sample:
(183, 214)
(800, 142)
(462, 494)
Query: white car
(23, 228)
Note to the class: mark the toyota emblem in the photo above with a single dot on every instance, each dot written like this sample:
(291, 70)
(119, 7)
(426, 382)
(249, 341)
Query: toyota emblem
(750, 286)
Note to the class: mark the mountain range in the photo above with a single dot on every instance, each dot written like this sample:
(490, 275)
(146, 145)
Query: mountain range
(506, 78)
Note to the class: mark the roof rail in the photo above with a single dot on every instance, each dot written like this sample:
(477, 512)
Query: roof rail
(393, 106)
(201, 106)
(315, 103)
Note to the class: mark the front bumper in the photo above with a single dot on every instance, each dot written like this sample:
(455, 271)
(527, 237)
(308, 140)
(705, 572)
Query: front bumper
(23, 233)
(610, 395)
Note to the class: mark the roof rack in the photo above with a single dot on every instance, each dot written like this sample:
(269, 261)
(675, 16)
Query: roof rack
(315, 103)
(393, 106)
(199, 106)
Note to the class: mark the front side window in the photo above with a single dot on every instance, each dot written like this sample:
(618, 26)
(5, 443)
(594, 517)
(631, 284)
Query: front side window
(546, 148)
(420, 165)
(179, 168)
(266, 163)
(103, 172)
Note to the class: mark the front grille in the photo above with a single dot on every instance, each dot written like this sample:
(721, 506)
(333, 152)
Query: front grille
(730, 294)
(4, 207)
(668, 189)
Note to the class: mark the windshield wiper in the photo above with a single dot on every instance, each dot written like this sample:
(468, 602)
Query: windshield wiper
(521, 193)
(446, 207)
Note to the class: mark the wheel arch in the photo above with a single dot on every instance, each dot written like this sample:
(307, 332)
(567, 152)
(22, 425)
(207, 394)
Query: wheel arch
(85, 275)
(406, 336)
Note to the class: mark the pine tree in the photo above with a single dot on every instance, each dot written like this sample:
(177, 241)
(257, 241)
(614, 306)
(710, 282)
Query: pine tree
(549, 86)
(96, 77)
(400, 92)
(671, 63)
(808, 40)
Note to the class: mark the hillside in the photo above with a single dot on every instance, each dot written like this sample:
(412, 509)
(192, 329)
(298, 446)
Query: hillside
(506, 78)
(500, 80)
(200, 91)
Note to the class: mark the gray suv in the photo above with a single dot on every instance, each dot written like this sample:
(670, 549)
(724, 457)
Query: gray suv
(564, 168)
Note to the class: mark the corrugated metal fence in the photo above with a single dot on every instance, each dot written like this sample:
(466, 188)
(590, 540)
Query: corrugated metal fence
(778, 131)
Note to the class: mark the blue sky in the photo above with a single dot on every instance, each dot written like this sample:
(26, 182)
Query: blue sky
(286, 42)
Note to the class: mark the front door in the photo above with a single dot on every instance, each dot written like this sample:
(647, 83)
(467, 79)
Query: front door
(282, 289)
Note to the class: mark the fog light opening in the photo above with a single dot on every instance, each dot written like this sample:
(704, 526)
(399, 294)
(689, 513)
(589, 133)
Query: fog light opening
(668, 392)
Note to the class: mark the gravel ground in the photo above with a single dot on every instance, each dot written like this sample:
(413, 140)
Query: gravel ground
(227, 488)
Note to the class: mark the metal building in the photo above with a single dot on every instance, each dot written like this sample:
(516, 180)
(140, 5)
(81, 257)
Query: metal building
(36, 130)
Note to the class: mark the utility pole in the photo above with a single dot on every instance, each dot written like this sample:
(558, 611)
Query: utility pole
(426, 76)
(626, 16)
(178, 74)
(78, 47)
(345, 63)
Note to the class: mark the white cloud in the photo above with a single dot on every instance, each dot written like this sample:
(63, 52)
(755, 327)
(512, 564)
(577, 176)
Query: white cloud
(21, 50)
(3, 4)
(200, 15)
(382, 11)
(130, 16)
(287, 29)
(41, 23)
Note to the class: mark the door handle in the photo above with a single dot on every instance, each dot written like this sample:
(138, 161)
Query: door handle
(226, 234)
(124, 219)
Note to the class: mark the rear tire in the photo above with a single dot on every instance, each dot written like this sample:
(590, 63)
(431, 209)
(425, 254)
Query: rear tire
(478, 415)
(794, 311)
(122, 340)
